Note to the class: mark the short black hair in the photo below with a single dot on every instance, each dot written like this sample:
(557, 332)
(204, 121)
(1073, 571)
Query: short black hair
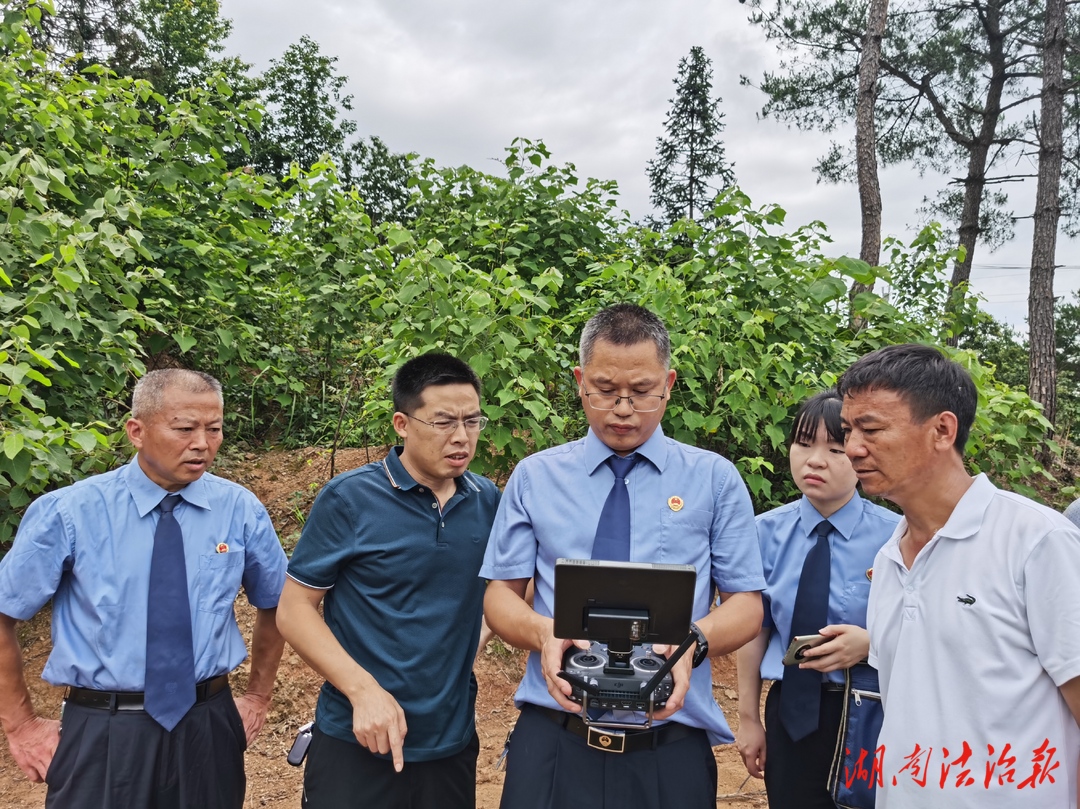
(625, 324)
(927, 380)
(422, 372)
(824, 406)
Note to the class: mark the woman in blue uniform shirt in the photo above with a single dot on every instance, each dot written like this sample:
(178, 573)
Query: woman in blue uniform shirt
(796, 769)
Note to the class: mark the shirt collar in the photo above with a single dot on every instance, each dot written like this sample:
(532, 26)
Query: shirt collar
(597, 452)
(148, 495)
(843, 520)
(400, 478)
(965, 521)
(395, 470)
(967, 515)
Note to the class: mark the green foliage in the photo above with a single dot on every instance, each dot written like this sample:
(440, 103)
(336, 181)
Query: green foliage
(534, 219)
(81, 33)
(304, 97)
(122, 240)
(381, 178)
(506, 327)
(71, 271)
(1001, 347)
(1008, 431)
(998, 345)
(303, 94)
(916, 273)
(691, 155)
(179, 40)
(127, 241)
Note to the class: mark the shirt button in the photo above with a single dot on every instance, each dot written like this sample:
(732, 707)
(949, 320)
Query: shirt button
(434, 505)
(910, 588)
(421, 489)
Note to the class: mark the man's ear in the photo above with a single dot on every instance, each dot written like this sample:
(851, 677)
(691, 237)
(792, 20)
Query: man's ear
(401, 424)
(945, 426)
(134, 429)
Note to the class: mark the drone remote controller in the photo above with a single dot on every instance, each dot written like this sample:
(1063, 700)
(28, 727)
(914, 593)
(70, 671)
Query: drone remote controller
(589, 673)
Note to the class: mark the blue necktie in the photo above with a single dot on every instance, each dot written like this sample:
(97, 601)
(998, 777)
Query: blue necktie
(170, 656)
(613, 530)
(800, 693)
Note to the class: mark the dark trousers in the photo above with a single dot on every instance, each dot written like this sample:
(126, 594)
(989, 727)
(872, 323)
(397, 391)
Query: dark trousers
(548, 767)
(797, 773)
(344, 775)
(126, 760)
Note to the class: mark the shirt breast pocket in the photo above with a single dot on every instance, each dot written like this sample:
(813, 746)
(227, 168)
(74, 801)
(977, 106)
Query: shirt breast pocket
(853, 603)
(219, 580)
(685, 536)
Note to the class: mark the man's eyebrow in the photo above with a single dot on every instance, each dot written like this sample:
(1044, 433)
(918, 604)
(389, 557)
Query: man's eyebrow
(184, 421)
(639, 382)
(864, 418)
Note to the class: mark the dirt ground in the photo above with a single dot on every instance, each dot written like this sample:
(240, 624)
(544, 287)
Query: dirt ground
(287, 483)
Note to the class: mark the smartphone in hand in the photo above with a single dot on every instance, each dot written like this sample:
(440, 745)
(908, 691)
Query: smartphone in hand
(799, 644)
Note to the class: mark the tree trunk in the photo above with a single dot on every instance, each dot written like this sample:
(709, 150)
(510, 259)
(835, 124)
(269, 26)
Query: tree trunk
(866, 144)
(1042, 384)
(975, 181)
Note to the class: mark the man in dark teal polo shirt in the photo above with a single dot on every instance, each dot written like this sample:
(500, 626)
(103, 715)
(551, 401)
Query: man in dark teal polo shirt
(395, 549)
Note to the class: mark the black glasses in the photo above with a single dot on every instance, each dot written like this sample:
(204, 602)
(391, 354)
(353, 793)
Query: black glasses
(639, 402)
(450, 426)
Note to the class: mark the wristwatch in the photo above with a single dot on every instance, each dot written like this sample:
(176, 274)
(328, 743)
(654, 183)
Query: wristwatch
(701, 651)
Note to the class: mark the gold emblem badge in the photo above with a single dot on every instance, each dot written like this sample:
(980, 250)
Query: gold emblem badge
(605, 741)
(222, 548)
(870, 574)
(675, 503)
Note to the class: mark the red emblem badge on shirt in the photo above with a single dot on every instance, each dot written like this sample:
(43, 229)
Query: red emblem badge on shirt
(870, 574)
(222, 548)
(675, 503)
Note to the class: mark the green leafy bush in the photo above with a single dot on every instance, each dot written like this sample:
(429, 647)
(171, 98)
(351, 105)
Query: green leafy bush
(126, 242)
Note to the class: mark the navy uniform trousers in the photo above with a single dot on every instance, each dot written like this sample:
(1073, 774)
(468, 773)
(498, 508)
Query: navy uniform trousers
(797, 773)
(126, 760)
(549, 767)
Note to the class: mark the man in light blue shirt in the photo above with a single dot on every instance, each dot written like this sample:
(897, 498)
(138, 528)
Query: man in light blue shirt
(88, 547)
(687, 506)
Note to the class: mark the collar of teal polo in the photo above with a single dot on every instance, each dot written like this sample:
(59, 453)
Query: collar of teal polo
(400, 478)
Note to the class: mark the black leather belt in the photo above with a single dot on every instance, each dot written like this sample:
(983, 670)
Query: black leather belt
(618, 741)
(133, 700)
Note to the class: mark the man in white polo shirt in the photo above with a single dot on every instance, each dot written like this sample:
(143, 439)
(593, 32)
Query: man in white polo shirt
(974, 613)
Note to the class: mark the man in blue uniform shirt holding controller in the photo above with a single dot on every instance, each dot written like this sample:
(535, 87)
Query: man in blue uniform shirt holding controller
(686, 506)
(143, 565)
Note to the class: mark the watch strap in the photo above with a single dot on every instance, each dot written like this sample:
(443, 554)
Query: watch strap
(701, 651)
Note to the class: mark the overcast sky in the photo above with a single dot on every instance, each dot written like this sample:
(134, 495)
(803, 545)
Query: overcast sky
(457, 81)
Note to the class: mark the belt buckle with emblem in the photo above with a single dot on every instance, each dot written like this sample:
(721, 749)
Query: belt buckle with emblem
(610, 741)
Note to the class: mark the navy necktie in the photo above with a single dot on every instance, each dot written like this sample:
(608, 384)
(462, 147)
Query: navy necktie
(613, 530)
(800, 693)
(170, 656)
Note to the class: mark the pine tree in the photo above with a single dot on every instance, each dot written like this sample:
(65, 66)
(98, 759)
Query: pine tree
(691, 154)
